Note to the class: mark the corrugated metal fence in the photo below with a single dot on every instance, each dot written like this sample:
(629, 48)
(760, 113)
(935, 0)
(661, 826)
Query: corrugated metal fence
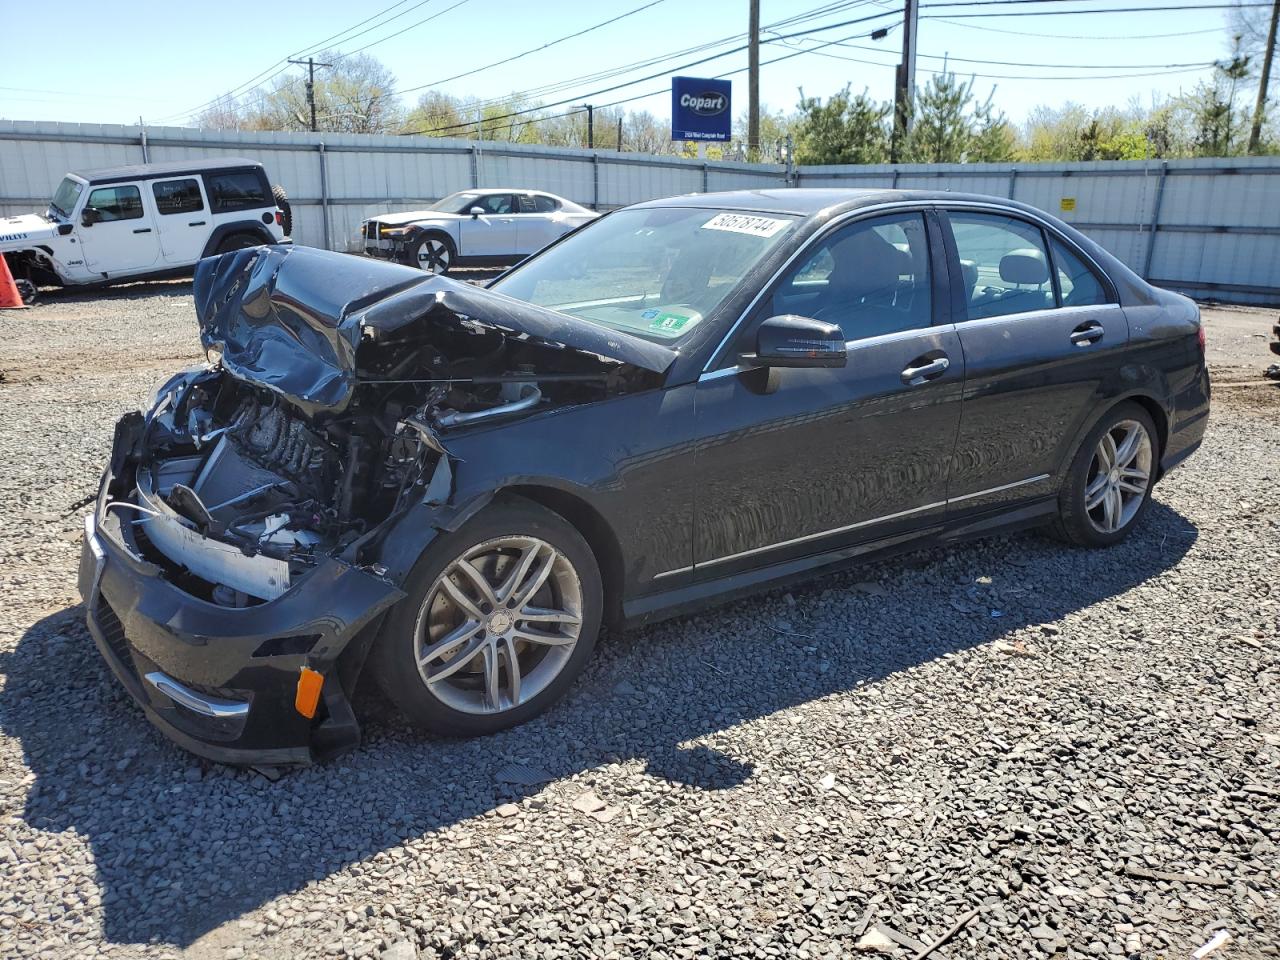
(1210, 228)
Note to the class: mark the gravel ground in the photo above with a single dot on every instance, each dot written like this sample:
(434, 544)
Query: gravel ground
(1083, 747)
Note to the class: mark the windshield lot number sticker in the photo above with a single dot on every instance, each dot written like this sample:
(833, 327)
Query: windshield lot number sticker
(669, 322)
(741, 223)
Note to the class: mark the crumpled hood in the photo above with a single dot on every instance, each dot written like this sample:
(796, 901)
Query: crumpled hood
(291, 318)
(413, 216)
(22, 231)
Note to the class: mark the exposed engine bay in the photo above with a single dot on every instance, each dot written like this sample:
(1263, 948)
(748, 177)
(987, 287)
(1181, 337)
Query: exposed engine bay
(310, 432)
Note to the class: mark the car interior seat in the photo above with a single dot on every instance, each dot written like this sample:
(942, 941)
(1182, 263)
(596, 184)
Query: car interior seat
(865, 292)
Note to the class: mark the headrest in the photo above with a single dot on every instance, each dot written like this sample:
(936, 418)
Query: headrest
(1024, 266)
(865, 262)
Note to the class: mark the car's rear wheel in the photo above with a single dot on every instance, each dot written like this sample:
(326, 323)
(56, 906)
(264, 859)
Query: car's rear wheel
(435, 254)
(1109, 485)
(501, 616)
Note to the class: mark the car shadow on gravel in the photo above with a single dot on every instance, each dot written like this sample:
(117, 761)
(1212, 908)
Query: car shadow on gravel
(181, 847)
(178, 287)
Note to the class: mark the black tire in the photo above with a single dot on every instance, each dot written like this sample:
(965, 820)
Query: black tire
(451, 252)
(1075, 523)
(282, 201)
(239, 241)
(393, 661)
(28, 291)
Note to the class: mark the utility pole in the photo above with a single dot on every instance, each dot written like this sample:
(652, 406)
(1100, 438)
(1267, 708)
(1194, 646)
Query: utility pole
(619, 133)
(905, 81)
(1260, 108)
(753, 82)
(591, 125)
(311, 85)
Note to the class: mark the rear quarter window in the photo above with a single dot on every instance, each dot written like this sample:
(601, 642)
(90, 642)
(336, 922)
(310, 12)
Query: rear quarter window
(238, 190)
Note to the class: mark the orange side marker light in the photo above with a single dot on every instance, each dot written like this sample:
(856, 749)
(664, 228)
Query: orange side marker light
(308, 696)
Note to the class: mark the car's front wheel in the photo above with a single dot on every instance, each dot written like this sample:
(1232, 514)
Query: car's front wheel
(501, 616)
(434, 254)
(1109, 484)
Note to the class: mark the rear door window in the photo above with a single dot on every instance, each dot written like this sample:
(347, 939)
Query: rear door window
(117, 203)
(545, 204)
(177, 196)
(241, 190)
(1079, 284)
(1004, 268)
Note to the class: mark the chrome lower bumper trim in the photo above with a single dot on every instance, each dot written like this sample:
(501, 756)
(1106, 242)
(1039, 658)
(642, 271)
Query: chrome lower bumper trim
(195, 702)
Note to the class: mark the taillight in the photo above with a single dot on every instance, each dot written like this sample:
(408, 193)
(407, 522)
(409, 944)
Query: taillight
(279, 219)
(1200, 337)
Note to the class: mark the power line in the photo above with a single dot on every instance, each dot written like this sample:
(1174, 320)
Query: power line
(1009, 3)
(1047, 66)
(652, 93)
(1081, 36)
(551, 43)
(1020, 76)
(283, 63)
(343, 56)
(611, 72)
(1065, 13)
(663, 73)
(946, 3)
(401, 31)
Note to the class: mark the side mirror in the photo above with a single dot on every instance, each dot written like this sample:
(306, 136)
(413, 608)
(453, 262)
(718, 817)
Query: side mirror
(477, 212)
(90, 216)
(789, 341)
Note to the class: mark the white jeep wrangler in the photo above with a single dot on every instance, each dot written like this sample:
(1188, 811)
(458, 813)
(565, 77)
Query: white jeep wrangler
(143, 222)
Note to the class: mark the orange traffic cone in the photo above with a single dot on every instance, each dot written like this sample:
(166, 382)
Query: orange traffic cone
(9, 297)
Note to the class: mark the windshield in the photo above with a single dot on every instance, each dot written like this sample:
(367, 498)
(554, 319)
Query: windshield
(455, 202)
(65, 197)
(655, 272)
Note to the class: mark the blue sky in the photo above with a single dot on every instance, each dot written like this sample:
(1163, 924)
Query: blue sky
(158, 59)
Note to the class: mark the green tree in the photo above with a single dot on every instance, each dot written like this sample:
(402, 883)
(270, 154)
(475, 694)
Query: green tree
(940, 123)
(433, 112)
(844, 129)
(355, 95)
(992, 138)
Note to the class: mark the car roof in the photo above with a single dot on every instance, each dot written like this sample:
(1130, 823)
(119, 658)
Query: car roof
(811, 201)
(149, 171)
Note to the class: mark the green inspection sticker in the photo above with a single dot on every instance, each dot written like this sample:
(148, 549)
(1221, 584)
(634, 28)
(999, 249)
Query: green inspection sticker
(669, 322)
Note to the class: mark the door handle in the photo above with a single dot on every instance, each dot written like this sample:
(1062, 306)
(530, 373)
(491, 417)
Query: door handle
(913, 376)
(1087, 333)
(196, 223)
(143, 230)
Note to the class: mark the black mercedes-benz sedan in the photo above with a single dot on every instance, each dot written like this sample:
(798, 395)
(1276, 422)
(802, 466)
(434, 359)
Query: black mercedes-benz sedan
(455, 487)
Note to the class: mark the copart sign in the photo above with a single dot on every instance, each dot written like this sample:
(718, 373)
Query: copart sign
(700, 109)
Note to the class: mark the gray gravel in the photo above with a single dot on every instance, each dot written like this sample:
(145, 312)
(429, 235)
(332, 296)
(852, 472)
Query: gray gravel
(1082, 746)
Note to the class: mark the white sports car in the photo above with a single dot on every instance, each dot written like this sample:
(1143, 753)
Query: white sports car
(473, 228)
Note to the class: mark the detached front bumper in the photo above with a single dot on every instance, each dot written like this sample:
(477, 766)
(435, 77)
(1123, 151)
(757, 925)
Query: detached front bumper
(222, 681)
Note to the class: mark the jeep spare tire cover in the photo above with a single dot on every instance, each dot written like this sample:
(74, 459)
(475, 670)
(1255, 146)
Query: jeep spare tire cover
(282, 201)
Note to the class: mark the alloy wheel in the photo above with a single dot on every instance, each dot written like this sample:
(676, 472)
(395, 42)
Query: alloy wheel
(1119, 476)
(434, 256)
(498, 625)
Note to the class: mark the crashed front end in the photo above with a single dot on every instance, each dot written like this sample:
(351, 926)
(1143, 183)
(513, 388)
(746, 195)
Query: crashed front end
(254, 525)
